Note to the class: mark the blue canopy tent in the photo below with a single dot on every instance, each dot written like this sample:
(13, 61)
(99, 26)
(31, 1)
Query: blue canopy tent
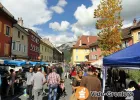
(43, 63)
(14, 62)
(34, 63)
(128, 57)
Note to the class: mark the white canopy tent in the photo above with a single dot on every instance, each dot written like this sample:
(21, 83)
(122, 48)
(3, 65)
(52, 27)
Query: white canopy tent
(98, 63)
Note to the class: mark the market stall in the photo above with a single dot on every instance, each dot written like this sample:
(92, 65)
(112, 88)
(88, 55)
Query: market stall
(128, 57)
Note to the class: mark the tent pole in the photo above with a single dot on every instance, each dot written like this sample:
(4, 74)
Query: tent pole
(104, 78)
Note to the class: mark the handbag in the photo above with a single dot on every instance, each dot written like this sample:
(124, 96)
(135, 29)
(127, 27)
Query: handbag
(73, 97)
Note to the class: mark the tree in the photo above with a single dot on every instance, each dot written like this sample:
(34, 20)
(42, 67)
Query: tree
(109, 22)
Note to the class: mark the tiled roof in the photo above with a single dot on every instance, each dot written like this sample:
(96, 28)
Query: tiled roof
(94, 44)
(126, 32)
(85, 41)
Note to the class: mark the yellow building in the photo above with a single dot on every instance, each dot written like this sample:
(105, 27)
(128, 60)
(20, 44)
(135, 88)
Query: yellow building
(46, 50)
(80, 50)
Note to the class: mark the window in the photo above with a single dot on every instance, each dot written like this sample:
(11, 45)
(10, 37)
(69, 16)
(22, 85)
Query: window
(76, 57)
(94, 57)
(139, 36)
(42, 48)
(22, 37)
(13, 46)
(84, 44)
(94, 49)
(19, 47)
(24, 48)
(31, 47)
(18, 34)
(45, 49)
(7, 30)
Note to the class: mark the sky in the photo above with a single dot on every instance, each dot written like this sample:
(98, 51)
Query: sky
(64, 20)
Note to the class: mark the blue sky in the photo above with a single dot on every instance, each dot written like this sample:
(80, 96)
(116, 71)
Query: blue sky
(64, 20)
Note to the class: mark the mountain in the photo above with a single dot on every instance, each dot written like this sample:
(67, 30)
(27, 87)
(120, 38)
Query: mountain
(66, 46)
(66, 49)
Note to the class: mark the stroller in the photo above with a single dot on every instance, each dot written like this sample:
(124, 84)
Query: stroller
(61, 89)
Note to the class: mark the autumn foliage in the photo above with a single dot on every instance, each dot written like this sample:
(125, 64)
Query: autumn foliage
(110, 23)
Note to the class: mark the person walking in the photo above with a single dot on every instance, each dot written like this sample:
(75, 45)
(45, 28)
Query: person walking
(11, 82)
(53, 82)
(92, 83)
(59, 70)
(38, 80)
(29, 76)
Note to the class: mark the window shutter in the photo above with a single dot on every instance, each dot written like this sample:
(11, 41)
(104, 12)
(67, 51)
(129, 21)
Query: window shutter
(0, 26)
(0, 47)
(5, 29)
(11, 31)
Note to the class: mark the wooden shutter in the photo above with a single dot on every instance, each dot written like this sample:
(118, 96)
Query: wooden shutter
(11, 31)
(6, 49)
(0, 47)
(0, 26)
(5, 29)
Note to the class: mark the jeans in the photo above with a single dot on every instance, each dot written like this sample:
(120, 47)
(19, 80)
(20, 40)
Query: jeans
(53, 88)
(29, 91)
(38, 94)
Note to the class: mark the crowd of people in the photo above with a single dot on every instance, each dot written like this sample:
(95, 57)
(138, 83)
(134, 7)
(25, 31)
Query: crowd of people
(86, 76)
(35, 79)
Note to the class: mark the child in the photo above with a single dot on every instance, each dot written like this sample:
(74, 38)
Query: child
(62, 87)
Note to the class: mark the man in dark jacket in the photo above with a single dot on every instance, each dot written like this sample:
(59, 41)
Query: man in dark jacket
(59, 70)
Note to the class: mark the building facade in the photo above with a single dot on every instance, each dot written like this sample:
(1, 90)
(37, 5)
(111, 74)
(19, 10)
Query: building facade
(81, 49)
(20, 42)
(6, 27)
(58, 56)
(33, 45)
(95, 52)
(46, 50)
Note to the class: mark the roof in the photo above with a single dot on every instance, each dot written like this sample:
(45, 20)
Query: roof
(30, 30)
(9, 15)
(21, 29)
(84, 41)
(94, 44)
(46, 43)
(126, 32)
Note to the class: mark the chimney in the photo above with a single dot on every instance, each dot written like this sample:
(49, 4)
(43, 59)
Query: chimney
(88, 39)
(80, 43)
(20, 21)
(134, 22)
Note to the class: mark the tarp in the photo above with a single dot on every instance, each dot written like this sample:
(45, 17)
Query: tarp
(129, 56)
(43, 63)
(34, 63)
(98, 63)
(14, 62)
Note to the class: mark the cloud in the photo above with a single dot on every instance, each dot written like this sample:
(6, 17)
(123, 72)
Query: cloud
(59, 7)
(60, 38)
(62, 3)
(85, 19)
(63, 26)
(33, 12)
